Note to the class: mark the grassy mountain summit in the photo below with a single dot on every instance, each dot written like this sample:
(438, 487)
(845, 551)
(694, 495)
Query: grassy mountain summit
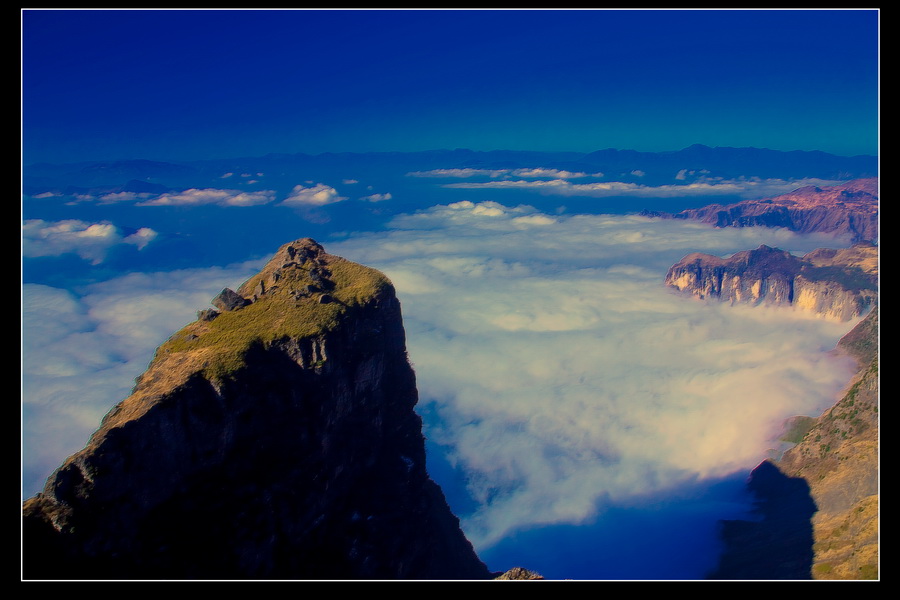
(301, 292)
(273, 438)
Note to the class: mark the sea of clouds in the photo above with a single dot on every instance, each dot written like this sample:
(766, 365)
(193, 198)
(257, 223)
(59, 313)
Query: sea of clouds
(563, 373)
(559, 378)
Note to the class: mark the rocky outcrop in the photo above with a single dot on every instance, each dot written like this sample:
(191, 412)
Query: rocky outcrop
(276, 441)
(840, 284)
(519, 574)
(817, 505)
(228, 299)
(849, 209)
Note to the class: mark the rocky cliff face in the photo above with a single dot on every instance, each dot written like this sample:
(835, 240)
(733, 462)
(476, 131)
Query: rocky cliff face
(274, 438)
(849, 209)
(818, 503)
(840, 284)
(838, 456)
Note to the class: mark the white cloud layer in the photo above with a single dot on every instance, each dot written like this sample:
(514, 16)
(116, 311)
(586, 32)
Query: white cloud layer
(211, 196)
(116, 197)
(747, 188)
(565, 375)
(80, 354)
(377, 197)
(463, 173)
(525, 172)
(90, 241)
(316, 195)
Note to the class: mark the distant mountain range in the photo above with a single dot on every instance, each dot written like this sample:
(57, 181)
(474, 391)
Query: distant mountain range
(651, 168)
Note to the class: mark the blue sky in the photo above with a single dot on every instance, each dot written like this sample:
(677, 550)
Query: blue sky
(101, 84)
(582, 420)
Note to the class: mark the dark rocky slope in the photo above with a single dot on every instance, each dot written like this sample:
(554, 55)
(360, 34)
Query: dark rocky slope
(273, 439)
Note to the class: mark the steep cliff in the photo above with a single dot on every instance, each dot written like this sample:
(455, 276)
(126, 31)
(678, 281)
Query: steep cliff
(838, 456)
(840, 283)
(273, 438)
(817, 505)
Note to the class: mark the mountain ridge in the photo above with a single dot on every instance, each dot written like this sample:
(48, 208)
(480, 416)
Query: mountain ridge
(693, 149)
(849, 209)
(817, 505)
(840, 283)
(659, 167)
(296, 455)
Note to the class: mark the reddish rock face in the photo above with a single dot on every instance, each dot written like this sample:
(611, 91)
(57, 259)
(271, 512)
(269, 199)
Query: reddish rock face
(859, 194)
(849, 209)
(841, 284)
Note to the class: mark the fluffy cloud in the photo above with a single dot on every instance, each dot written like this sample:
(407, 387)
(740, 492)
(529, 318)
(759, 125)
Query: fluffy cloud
(377, 197)
(211, 196)
(684, 173)
(115, 197)
(562, 377)
(316, 195)
(466, 172)
(747, 188)
(90, 241)
(555, 371)
(551, 181)
(527, 173)
(541, 172)
(81, 354)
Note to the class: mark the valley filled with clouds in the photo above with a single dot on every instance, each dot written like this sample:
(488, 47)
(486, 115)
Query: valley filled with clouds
(582, 419)
(559, 380)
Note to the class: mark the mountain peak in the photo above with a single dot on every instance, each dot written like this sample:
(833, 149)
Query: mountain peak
(302, 291)
(273, 438)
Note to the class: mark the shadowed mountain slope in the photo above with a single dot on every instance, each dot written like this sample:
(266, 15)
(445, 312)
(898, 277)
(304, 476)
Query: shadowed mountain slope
(273, 438)
(818, 505)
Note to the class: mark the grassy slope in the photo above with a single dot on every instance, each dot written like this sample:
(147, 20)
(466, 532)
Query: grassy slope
(215, 349)
(225, 339)
(838, 457)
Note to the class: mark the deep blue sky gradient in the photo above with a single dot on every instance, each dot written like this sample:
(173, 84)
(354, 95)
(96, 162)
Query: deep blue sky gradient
(195, 84)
